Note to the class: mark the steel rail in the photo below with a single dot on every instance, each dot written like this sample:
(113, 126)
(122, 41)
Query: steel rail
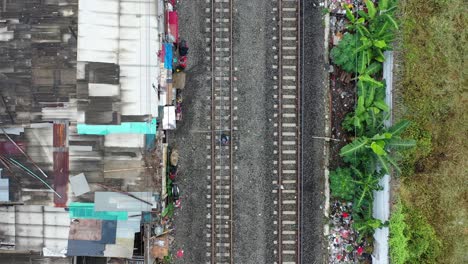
(289, 30)
(299, 135)
(213, 136)
(231, 126)
(223, 250)
(280, 124)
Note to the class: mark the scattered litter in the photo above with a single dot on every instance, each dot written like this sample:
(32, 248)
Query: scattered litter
(180, 253)
(343, 241)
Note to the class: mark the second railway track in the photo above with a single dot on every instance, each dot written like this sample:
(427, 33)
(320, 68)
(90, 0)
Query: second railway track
(288, 134)
(222, 164)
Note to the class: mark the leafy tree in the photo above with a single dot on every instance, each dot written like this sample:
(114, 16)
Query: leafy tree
(342, 184)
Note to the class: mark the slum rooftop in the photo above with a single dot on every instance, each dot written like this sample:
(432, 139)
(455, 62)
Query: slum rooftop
(77, 126)
(50, 71)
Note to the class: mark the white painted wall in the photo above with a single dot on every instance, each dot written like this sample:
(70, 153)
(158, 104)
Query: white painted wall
(381, 206)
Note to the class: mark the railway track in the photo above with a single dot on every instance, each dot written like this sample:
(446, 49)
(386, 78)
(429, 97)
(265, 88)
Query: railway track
(222, 167)
(288, 133)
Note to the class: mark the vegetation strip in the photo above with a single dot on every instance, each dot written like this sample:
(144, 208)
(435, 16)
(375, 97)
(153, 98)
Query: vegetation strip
(431, 93)
(373, 147)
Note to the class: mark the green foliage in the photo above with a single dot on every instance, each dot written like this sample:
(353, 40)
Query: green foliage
(368, 117)
(377, 148)
(367, 184)
(412, 238)
(169, 187)
(423, 148)
(168, 259)
(366, 227)
(168, 211)
(370, 36)
(398, 240)
(424, 246)
(343, 54)
(342, 184)
(373, 150)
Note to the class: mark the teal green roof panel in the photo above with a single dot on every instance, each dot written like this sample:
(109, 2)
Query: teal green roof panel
(86, 211)
(123, 128)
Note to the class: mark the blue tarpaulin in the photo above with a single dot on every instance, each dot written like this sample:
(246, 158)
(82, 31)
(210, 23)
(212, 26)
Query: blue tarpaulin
(123, 128)
(168, 56)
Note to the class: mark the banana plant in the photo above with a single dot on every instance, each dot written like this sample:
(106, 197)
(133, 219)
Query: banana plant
(371, 109)
(366, 227)
(374, 29)
(366, 184)
(363, 221)
(364, 151)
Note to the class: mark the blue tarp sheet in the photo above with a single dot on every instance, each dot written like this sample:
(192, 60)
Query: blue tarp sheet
(168, 56)
(85, 248)
(123, 128)
(150, 141)
(109, 231)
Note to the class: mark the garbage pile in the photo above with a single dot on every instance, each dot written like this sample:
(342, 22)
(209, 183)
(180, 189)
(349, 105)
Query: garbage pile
(343, 241)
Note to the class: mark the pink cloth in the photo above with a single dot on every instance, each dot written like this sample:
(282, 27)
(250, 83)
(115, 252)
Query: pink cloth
(173, 24)
(180, 253)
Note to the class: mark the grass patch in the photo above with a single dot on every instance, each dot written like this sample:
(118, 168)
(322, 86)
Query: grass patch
(412, 238)
(398, 241)
(432, 94)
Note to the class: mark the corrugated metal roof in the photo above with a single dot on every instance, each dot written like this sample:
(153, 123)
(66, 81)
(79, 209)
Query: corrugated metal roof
(32, 227)
(113, 201)
(86, 211)
(4, 189)
(124, 33)
(85, 248)
(79, 184)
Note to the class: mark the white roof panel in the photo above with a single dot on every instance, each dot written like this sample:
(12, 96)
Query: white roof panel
(130, 39)
(106, 6)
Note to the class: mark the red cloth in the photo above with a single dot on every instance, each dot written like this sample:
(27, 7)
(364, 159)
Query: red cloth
(180, 253)
(360, 250)
(162, 53)
(173, 24)
(183, 62)
(345, 214)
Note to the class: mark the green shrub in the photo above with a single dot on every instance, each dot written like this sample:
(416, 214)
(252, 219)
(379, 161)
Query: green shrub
(424, 246)
(342, 184)
(422, 150)
(343, 54)
(398, 240)
(412, 238)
